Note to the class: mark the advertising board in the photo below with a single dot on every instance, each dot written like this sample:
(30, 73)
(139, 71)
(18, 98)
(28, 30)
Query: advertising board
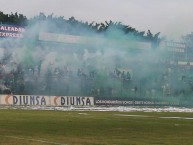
(34, 100)
(11, 31)
(111, 102)
(74, 39)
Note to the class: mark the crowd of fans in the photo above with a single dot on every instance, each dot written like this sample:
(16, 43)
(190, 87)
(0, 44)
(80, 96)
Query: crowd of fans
(31, 67)
(167, 79)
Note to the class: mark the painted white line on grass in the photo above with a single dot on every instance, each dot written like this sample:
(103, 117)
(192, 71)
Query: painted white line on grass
(132, 115)
(171, 117)
(31, 139)
(83, 113)
(177, 118)
(187, 118)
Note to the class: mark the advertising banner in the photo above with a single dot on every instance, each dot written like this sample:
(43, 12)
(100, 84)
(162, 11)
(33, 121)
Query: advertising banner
(71, 101)
(74, 39)
(25, 100)
(111, 102)
(11, 31)
(33, 100)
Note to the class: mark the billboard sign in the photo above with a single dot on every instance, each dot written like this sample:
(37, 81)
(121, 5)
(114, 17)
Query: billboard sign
(33, 100)
(72, 101)
(74, 39)
(111, 102)
(11, 31)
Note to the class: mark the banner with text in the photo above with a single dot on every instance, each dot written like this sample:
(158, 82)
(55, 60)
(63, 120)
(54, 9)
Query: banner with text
(11, 31)
(111, 102)
(33, 100)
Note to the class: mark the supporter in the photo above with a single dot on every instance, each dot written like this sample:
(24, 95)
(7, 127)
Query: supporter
(128, 76)
(123, 75)
(79, 72)
(135, 89)
(92, 74)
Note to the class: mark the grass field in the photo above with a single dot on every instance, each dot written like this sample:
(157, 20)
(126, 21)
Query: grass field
(35, 127)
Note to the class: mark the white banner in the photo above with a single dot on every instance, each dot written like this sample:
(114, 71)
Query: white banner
(71, 101)
(11, 31)
(33, 100)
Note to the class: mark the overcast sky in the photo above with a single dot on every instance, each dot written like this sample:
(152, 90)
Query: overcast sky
(173, 18)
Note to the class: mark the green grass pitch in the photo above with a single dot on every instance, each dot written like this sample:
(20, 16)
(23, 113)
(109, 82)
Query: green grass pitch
(40, 127)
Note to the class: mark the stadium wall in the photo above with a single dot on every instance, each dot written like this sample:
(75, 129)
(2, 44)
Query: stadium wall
(79, 101)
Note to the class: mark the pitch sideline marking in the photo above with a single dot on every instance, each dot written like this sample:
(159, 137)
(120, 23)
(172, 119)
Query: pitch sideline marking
(83, 113)
(186, 118)
(31, 139)
(177, 118)
(132, 115)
